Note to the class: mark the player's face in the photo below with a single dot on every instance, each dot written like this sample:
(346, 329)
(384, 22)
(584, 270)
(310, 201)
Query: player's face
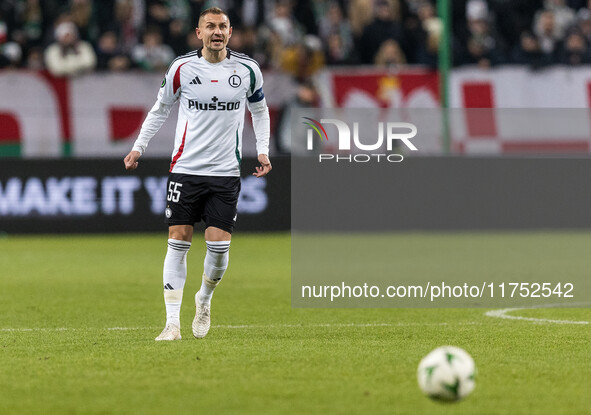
(215, 31)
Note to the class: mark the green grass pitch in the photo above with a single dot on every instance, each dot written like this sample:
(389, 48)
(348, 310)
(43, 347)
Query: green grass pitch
(78, 317)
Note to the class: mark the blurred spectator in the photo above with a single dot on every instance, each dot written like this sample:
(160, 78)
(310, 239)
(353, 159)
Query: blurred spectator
(158, 15)
(303, 59)
(485, 32)
(10, 52)
(308, 14)
(547, 34)
(69, 56)
(193, 43)
(179, 9)
(584, 23)
(249, 40)
(81, 15)
(305, 97)
(251, 13)
(129, 20)
(103, 14)
(575, 50)
(512, 17)
(53, 11)
(35, 59)
(413, 6)
(361, 13)
(390, 55)
(334, 23)
(414, 34)
(431, 24)
(177, 36)
(271, 46)
(477, 10)
(528, 52)
(237, 40)
(386, 25)
(564, 16)
(428, 35)
(109, 55)
(283, 24)
(31, 21)
(11, 55)
(483, 47)
(336, 53)
(152, 54)
(577, 4)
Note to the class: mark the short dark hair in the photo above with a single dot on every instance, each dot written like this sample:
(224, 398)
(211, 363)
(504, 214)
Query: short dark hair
(212, 10)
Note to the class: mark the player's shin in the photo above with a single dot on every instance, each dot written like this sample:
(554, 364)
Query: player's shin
(174, 277)
(214, 266)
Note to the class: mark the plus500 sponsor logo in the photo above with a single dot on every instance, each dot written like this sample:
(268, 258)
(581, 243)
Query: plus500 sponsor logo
(213, 106)
(392, 133)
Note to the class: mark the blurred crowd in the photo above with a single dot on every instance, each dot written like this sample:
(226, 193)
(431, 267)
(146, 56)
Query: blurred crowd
(536, 33)
(69, 37)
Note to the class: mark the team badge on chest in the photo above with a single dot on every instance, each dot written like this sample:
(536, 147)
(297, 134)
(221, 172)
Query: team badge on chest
(235, 81)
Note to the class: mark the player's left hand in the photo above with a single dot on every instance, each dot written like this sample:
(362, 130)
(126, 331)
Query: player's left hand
(130, 160)
(265, 167)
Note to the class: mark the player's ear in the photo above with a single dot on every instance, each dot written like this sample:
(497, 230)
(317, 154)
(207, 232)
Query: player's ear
(230, 33)
(198, 33)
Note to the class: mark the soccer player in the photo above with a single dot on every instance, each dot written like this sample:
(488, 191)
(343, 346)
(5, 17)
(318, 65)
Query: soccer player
(213, 85)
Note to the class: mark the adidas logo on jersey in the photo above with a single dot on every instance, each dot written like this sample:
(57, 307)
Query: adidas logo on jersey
(195, 81)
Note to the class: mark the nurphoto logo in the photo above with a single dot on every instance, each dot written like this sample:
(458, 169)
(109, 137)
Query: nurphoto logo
(392, 133)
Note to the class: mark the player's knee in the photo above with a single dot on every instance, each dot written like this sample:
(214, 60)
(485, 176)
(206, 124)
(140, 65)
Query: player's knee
(213, 233)
(180, 232)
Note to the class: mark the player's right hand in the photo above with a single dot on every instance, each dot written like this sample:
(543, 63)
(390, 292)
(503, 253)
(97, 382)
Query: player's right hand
(131, 160)
(265, 167)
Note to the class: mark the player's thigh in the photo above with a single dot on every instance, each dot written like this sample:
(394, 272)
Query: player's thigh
(186, 196)
(221, 207)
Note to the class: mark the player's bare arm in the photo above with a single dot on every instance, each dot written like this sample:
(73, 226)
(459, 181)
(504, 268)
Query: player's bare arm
(265, 166)
(131, 160)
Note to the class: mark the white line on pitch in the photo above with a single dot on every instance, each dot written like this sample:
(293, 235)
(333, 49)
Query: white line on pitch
(250, 326)
(303, 326)
(503, 313)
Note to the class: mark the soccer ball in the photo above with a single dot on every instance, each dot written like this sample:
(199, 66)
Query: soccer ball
(447, 374)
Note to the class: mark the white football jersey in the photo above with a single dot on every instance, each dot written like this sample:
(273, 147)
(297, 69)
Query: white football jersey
(208, 137)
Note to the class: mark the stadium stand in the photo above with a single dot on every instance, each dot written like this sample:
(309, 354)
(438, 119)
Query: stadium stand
(144, 34)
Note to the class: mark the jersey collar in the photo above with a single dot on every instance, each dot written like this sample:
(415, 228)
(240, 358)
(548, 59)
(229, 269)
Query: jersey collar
(228, 52)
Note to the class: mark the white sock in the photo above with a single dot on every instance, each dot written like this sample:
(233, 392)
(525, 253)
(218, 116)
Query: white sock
(173, 300)
(214, 266)
(174, 277)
